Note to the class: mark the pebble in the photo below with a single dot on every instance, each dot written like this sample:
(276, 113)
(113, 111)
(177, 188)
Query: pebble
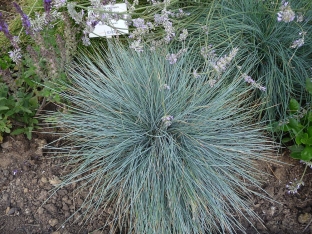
(53, 222)
(51, 208)
(44, 180)
(26, 190)
(66, 214)
(43, 195)
(5, 172)
(6, 145)
(62, 192)
(57, 232)
(5, 196)
(304, 218)
(65, 206)
(11, 211)
(18, 181)
(27, 211)
(40, 210)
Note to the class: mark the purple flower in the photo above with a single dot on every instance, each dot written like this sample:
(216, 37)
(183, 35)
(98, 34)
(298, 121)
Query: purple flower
(5, 29)
(25, 19)
(47, 5)
(15, 55)
(167, 120)
(172, 58)
(139, 23)
(294, 186)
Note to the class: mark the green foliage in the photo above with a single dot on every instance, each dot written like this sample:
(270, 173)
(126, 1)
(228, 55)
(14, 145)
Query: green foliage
(19, 109)
(297, 128)
(171, 153)
(24, 85)
(22, 91)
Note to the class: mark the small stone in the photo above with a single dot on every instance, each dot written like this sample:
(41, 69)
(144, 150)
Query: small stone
(66, 214)
(5, 172)
(27, 211)
(44, 180)
(53, 222)
(26, 190)
(51, 208)
(62, 192)
(304, 218)
(43, 195)
(5, 196)
(40, 210)
(11, 211)
(18, 181)
(6, 145)
(7, 210)
(65, 206)
(55, 181)
(57, 232)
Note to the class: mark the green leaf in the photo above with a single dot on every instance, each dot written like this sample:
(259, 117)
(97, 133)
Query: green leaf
(296, 148)
(309, 130)
(286, 139)
(4, 108)
(295, 155)
(304, 138)
(308, 141)
(295, 126)
(285, 128)
(294, 105)
(306, 154)
(29, 73)
(310, 116)
(309, 85)
(28, 132)
(18, 131)
(298, 139)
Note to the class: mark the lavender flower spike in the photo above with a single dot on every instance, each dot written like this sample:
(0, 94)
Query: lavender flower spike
(47, 5)
(5, 29)
(25, 19)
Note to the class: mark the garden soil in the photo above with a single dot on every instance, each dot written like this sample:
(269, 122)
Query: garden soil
(28, 173)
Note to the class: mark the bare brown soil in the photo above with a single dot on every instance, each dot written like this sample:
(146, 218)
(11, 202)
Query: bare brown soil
(27, 175)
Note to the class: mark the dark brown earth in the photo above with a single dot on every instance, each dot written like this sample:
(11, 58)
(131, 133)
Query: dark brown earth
(27, 175)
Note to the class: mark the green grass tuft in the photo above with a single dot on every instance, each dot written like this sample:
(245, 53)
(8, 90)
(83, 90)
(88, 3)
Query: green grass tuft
(253, 27)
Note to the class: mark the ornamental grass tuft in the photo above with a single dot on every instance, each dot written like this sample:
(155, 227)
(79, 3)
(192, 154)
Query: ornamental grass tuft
(275, 37)
(167, 151)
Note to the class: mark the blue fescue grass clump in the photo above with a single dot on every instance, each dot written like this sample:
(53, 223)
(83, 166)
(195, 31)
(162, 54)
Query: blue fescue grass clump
(169, 152)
